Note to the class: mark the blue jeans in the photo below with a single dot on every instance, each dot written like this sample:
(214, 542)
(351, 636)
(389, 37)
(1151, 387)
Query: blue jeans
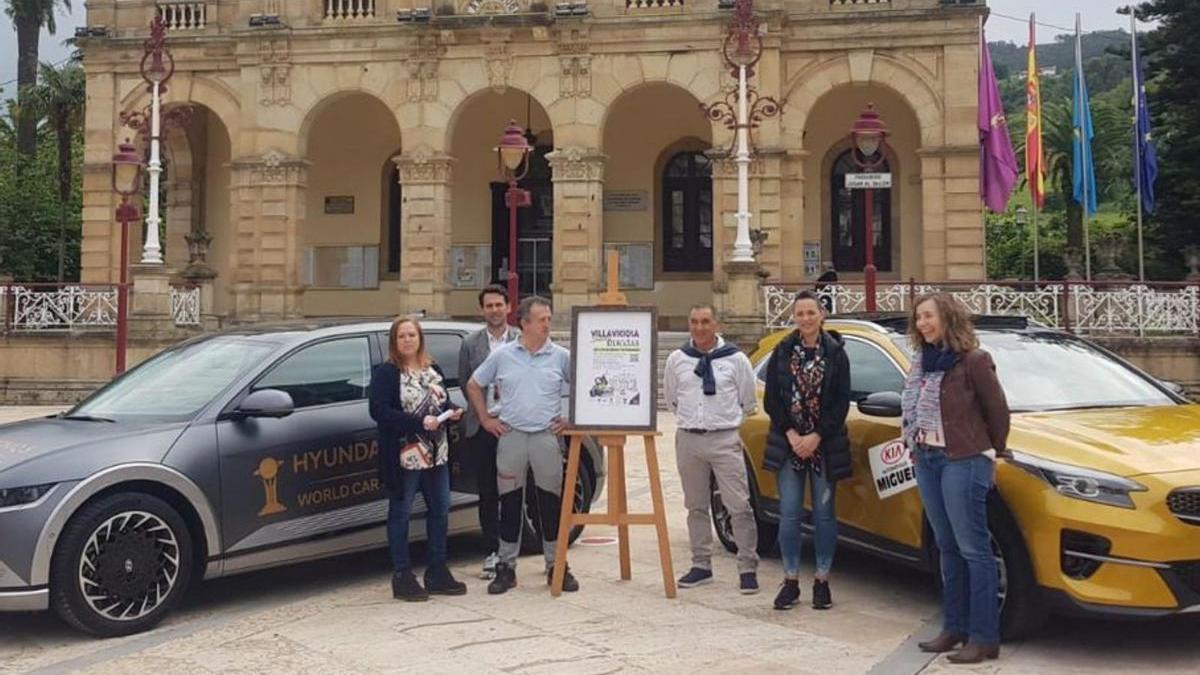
(954, 493)
(791, 513)
(434, 485)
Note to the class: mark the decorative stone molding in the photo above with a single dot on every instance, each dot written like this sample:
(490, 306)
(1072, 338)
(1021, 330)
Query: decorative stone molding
(493, 6)
(497, 59)
(726, 167)
(273, 168)
(577, 164)
(575, 63)
(423, 167)
(423, 69)
(275, 72)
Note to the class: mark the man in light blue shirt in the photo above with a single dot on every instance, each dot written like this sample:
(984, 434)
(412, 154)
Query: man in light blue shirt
(531, 373)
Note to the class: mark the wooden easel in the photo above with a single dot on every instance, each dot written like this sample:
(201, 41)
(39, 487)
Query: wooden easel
(618, 506)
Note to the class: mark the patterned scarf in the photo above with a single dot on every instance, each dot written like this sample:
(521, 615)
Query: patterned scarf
(807, 368)
(422, 393)
(921, 402)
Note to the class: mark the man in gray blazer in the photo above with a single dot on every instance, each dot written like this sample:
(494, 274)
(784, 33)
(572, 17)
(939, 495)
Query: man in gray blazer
(493, 305)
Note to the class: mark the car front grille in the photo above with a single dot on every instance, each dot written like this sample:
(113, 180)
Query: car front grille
(1185, 504)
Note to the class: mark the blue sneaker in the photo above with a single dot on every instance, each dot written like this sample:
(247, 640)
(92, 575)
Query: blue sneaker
(695, 577)
(749, 583)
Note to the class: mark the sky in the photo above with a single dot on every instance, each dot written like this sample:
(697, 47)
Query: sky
(1096, 15)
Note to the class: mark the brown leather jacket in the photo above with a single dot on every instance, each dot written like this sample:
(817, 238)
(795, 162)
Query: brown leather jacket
(974, 408)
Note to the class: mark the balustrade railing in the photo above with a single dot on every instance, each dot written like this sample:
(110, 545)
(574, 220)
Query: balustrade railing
(635, 5)
(185, 305)
(182, 16)
(58, 307)
(349, 10)
(1097, 308)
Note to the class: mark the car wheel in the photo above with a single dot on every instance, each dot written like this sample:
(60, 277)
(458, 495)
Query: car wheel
(768, 533)
(585, 490)
(122, 563)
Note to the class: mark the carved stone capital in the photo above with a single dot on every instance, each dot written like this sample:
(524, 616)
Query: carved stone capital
(273, 168)
(424, 167)
(577, 164)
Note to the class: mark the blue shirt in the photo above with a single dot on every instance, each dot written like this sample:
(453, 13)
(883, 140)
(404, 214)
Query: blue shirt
(531, 384)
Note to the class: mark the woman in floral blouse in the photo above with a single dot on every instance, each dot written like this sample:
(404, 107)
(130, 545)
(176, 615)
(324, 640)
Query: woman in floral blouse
(407, 397)
(807, 396)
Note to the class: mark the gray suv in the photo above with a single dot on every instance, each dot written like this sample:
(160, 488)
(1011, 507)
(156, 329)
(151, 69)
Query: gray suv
(227, 453)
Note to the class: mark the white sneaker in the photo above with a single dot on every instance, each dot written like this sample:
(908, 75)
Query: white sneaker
(489, 566)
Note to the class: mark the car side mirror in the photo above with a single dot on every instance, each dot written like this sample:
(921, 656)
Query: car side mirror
(881, 404)
(267, 403)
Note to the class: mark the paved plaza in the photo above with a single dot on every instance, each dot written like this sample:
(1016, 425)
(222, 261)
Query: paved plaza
(337, 616)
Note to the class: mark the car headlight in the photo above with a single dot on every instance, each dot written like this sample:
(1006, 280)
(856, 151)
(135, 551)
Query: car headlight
(1080, 483)
(23, 495)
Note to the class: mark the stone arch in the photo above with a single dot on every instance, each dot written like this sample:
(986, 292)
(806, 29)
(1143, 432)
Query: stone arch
(807, 87)
(699, 74)
(318, 105)
(184, 88)
(461, 100)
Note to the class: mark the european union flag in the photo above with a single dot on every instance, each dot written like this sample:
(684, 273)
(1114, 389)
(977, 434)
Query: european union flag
(1083, 173)
(1145, 168)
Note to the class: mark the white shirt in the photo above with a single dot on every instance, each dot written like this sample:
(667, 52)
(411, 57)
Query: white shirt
(494, 342)
(683, 391)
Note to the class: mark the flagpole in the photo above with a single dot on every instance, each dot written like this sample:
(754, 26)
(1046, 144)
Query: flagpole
(1036, 179)
(1137, 144)
(1084, 148)
(982, 204)
(1036, 267)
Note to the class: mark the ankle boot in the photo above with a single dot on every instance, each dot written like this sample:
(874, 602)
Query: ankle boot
(975, 653)
(945, 642)
(405, 587)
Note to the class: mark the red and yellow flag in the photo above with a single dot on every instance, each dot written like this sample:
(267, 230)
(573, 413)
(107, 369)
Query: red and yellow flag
(1035, 157)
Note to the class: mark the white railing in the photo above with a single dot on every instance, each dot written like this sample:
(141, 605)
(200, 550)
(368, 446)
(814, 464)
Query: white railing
(185, 306)
(179, 16)
(1078, 307)
(41, 308)
(349, 10)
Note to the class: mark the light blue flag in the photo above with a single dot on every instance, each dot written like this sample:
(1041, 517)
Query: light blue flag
(1083, 170)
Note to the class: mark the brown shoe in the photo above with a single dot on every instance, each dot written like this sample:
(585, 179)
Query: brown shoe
(974, 653)
(946, 642)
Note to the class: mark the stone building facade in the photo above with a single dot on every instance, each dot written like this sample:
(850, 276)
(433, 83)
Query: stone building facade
(340, 154)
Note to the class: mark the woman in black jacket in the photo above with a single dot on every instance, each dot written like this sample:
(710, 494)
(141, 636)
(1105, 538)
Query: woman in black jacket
(407, 397)
(807, 398)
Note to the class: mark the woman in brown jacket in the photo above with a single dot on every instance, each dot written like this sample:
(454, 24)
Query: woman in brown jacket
(955, 421)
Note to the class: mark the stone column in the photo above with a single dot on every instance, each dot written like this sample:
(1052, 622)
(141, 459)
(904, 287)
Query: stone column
(269, 210)
(952, 226)
(739, 304)
(578, 175)
(426, 179)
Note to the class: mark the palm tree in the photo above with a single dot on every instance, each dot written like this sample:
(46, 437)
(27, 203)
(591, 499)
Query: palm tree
(28, 17)
(60, 98)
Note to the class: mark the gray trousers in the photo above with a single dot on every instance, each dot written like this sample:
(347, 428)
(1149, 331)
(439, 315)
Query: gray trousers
(717, 454)
(517, 453)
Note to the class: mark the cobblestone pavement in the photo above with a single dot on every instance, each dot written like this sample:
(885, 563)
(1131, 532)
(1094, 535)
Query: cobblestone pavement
(337, 616)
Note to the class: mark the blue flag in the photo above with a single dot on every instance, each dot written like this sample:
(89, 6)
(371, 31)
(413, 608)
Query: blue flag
(1083, 170)
(1145, 168)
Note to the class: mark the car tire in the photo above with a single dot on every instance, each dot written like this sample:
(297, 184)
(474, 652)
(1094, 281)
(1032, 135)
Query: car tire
(768, 532)
(132, 550)
(585, 490)
(1021, 612)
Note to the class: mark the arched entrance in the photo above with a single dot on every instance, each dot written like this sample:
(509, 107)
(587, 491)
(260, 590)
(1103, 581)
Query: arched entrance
(848, 216)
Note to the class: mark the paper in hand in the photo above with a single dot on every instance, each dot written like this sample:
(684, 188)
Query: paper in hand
(445, 416)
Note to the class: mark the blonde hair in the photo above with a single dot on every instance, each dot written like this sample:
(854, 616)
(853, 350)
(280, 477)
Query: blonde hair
(958, 333)
(394, 356)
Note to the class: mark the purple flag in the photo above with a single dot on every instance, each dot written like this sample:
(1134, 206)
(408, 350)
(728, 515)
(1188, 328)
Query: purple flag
(997, 162)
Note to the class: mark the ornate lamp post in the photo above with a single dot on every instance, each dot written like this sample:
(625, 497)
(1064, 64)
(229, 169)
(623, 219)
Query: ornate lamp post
(742, 111)
(127, 182)
(869, 135)
(511, 155)
(157, 66)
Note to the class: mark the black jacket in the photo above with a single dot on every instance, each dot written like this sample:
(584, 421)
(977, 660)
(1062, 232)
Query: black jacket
(835, 399)
(395, 423)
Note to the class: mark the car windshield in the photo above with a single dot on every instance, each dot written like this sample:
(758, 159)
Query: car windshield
(175, 384)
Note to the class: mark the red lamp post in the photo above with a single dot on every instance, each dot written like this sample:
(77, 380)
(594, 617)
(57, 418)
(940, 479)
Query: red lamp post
(511, 155)
(127, 182)
(869, 135)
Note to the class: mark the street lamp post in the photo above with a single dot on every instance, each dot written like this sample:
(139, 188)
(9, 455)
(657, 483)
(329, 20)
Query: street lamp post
(869, 135)
(511, 157)
(126, 182)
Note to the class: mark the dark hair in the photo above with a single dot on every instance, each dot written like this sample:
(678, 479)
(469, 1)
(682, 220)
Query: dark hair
(958, 333)
(704, 305)
(807, 295)
(493, 289)
(527, 305)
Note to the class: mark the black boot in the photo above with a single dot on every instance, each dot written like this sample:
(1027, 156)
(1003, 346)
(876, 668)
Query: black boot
(405, 587)
(439, 581)
(506, 578)
(789, 594)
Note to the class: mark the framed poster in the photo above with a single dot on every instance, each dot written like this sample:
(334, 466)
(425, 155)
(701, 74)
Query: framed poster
(614, 378)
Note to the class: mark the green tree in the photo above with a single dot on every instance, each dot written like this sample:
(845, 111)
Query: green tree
(1173, 91)
(60, 98)
(29, 17)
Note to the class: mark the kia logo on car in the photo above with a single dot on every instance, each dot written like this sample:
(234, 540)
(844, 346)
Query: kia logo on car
(893, 453)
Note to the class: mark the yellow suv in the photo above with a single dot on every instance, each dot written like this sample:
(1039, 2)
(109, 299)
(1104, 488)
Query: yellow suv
(1097, 511)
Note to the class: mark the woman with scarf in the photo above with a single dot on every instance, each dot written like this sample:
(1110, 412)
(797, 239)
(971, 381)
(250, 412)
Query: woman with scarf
(807, 396)
(407, 397)
(955, 419)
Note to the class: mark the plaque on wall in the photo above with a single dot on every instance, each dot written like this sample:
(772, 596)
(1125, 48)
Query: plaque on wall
(636, 264)
(625, 200)
(470, 265)
(339, 204)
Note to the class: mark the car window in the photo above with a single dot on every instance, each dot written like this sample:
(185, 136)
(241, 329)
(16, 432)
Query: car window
(327, 372)
(871, 370)
(443, 348)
